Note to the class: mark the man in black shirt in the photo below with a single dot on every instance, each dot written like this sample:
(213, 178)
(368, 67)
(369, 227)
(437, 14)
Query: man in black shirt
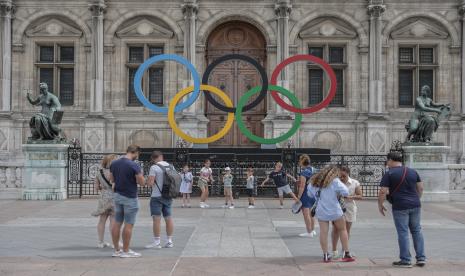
(279, 178)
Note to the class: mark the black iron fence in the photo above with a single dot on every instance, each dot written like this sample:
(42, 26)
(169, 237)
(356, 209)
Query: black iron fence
(368, 169)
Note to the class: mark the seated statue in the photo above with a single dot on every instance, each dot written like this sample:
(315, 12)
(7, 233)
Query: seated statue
(422, 125)
(44, 125)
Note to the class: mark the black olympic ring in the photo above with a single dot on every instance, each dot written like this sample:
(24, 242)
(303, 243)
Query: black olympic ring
(250, 60)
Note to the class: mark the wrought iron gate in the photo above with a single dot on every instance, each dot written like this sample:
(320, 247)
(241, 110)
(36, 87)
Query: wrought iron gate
(368, 169)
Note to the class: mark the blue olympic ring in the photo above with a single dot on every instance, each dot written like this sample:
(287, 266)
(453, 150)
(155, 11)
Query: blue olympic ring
(144, 66)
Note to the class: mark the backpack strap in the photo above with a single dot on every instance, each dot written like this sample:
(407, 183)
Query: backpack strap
(163, 169)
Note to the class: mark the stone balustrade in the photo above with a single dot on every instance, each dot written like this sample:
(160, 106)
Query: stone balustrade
(457, 182)
(11, 176)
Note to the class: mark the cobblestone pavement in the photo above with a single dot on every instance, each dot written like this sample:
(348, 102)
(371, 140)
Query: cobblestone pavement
(59, 238)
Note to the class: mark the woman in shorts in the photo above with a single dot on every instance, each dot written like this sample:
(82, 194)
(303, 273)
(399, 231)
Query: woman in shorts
(206, 176)
(306, 172)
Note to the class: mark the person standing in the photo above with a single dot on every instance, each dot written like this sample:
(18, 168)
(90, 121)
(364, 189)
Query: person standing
(326, 187)
(251, 187)
(186, 186)
(307, 202)
(159, 205)
(350, 216)
(227, 182)
(206, 176)
(278, 175)
(105, 209)
(405, 188)
(126, 174)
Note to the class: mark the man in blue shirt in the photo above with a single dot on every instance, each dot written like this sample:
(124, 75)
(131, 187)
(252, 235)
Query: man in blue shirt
(126, 174)
(405, 188)
(279, 178)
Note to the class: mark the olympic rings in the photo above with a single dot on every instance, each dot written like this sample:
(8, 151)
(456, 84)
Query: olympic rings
(248, 59)
(144, 66)
(247, 133)
(211, 139)
(325, 66)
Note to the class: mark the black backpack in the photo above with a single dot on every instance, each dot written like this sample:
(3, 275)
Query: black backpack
(171, 182)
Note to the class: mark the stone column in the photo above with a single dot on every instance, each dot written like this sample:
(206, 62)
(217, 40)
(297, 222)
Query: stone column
(97, 7)
(189, 10)
(462, 12)
(375, 95)
(6, 12)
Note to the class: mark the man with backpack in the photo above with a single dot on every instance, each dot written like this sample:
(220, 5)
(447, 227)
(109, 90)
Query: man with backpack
(165, 182)
(404, 188)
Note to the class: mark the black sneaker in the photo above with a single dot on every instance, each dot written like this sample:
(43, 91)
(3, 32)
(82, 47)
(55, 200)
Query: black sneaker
(421, 263)
(348, 257)
(402, 264)
(326, 258)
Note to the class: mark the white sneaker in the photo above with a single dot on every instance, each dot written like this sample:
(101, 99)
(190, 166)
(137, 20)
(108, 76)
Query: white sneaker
(103, 244)
(306, 235)
(117, 253)
(154, 244)
(168, 245)
(313, 234)
(130, 254)
(224, 206)
(204, 205)
(231, 207)
(336, 255)
(251, 207)
(281, 207)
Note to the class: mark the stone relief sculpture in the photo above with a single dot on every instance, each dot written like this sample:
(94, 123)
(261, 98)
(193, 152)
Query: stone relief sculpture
(44, 125)
(422, 125)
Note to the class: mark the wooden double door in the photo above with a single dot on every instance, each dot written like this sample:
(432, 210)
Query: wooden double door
(235, 78)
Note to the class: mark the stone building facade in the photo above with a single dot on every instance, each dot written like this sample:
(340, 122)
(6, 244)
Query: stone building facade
(88, 50)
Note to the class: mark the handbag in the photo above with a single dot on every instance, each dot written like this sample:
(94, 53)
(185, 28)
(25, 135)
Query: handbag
(389, 197)
(313, 210)
(105, 179)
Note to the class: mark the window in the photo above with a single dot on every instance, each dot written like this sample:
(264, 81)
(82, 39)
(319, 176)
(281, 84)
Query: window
(152, 81)
(55, 66)
(318, 86)
(417, 66)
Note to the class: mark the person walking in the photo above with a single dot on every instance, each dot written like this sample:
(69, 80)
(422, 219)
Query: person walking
(159, 205)
(404, 187)
(326, 187)
(227, 182)
(105, 209)
(250, 187)
(306, 173)
(126, 174)
(206, 176)
(186, 186)
(350, 215)
(278, 175)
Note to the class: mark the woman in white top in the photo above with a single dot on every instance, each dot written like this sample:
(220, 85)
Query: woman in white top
(350, 216)
(186, 186)
(206, 176)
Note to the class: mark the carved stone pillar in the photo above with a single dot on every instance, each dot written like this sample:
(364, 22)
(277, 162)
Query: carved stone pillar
(189, 10)
(97, 7)
(7, 10)
(462, 12)
(375, 95)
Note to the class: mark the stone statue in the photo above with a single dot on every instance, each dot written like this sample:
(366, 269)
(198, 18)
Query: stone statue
(44, 125)
(421, 126)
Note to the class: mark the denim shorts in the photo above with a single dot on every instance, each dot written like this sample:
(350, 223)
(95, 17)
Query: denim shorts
(159, 206)
(126, 209)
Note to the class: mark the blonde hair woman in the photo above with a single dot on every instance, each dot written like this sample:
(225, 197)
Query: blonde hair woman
(105, 207)
(326, 187)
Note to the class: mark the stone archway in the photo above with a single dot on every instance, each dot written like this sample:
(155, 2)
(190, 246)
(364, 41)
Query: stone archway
(236, 77)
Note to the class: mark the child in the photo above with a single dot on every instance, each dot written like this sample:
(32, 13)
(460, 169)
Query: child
(206, 175)
(250, 187)
(186, 186)
(227, 181)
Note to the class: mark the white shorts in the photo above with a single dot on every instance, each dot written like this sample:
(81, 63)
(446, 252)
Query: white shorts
(351, 212)
(284, 190)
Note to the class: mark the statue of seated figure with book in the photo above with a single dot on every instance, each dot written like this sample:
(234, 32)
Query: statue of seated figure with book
(44, 125)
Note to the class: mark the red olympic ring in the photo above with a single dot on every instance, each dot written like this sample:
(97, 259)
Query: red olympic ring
(325, 66)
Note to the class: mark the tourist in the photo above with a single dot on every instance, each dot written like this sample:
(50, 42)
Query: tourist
(126, 174)
(404, 187)
(160, 205)
(105, 209)
(206, 176)
(250, 187)
(326, 187)
(186, 186)
(278, 175)
(227, 182)
(307, 202)
(350, 215)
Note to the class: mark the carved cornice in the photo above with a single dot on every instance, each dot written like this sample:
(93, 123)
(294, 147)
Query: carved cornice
(7, 8)
(283, 8)
(462, 9)
(98, 7)
(189, 8)
(376, 8)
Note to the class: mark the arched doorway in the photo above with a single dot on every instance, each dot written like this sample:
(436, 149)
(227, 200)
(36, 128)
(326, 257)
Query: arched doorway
(235, 78)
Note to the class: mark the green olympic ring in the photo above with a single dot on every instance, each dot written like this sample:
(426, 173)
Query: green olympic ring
(247, 133)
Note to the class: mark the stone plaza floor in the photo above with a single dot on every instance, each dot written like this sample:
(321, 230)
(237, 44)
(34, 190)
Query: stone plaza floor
(59, 238)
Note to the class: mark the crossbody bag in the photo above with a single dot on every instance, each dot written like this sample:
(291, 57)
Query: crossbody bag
(389, 197)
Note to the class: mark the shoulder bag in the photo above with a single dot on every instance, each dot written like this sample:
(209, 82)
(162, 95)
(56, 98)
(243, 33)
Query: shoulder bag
(389, 197)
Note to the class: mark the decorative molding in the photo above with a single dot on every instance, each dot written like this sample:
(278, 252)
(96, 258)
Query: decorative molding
(189, 8)
(18, 48)
(283, 8)
(7, 8)
(98, 8)
(376, 8)
(419, 29)
(54, 27)
(109, 48)
(145, 27)
(327, 28)
(327, 139)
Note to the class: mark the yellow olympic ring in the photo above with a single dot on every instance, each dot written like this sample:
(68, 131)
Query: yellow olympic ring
(172, 122)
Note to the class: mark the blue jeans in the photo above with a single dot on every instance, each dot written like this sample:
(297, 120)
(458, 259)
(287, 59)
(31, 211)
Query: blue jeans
(405, 220)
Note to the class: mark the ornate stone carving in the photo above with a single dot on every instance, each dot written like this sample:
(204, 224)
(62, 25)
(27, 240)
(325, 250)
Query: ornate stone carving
(98, 7)
(7, 9)
(327, 140)
(283, 8)
(376, 8)
(94, 140)
(189, 8)
(420, 28)
(327, 27)
(144, 138)
(145, 27)
(54, 27)
(4, 139)
(377, 142)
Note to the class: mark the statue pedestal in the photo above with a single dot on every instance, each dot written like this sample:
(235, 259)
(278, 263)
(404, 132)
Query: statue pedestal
(430, 161)
(45, 171)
